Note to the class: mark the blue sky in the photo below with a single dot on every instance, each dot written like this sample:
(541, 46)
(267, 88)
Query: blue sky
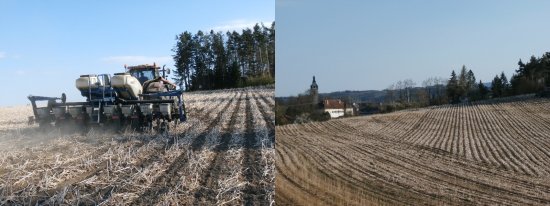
(362, 45)
(46, 45)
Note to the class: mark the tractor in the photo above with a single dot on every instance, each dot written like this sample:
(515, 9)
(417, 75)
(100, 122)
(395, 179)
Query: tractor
(139, 98)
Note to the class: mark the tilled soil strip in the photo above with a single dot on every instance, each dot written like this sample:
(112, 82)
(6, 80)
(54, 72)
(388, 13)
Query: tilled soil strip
(166, 181)
(269, 122)
(105, 193)
(206, 194)
(253, 194)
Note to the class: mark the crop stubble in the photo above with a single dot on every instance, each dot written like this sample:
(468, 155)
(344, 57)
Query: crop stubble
(486, 153)
(197, 162)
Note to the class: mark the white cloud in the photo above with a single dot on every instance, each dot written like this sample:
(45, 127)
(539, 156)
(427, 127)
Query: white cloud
(2, 55)
(135, 60)
(238, 25)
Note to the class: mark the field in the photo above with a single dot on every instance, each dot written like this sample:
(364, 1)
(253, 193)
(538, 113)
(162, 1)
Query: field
(223, 154)
(470, 154)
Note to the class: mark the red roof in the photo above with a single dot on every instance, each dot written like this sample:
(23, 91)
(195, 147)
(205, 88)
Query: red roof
(333, 104)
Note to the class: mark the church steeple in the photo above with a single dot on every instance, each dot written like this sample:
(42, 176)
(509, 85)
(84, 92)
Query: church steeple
(313, 84)
(314, 91)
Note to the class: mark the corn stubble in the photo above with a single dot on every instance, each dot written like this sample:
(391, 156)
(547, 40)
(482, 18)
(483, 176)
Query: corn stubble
(199, 162)
(488, 153)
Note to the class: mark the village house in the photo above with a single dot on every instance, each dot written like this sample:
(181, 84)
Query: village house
(335, 107)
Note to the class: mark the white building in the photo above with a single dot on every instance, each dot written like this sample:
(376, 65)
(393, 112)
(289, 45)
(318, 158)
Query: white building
(336, 108)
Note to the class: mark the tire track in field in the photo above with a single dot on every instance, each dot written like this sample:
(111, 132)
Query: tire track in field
(253, 194)
(206, 193)
(105, 193)
(168, 179)
(268, 121)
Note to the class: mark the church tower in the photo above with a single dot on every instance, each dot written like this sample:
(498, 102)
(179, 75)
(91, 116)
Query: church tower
(314, 92)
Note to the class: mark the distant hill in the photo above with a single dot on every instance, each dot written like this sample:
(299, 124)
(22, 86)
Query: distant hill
(371, 96)
(366, 96)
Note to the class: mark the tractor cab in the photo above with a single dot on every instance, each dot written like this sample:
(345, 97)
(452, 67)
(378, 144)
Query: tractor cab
(151, 80)
(144, 72)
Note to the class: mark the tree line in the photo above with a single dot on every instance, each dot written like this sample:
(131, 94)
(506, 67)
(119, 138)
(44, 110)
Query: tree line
(530, 77)
(217, 60)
